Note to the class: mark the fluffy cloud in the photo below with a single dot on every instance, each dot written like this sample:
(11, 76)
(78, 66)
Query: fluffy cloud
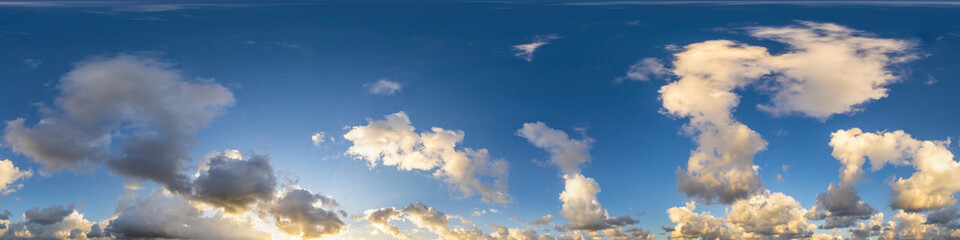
(437, 222)
(383, 87)
(695, 225)
(772, 214)
(828, 69)
(319, 138)
(380, 218)
(542, 220)
(580, 206)
(9, 175)
(135, 113)
(228, 181)
(162, 215)
(299, 212)
(932, 186)
(54, 222)
(393, 142)
(526, 50)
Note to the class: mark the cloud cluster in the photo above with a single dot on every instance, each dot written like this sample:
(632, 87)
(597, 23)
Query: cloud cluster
(135, 113)
(54, 222)
(526, 50)
(580, 205)
(827, 69)
(762, 216)
(9, 175)
(423, 217)
(393, 142)
(163, 215)
(934, 185)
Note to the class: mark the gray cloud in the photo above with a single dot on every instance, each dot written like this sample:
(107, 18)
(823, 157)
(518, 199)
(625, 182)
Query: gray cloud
(299, 212)
(136, 113)
(226, 180)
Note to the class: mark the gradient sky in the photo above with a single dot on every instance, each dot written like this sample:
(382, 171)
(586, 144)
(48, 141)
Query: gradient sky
(293, 70)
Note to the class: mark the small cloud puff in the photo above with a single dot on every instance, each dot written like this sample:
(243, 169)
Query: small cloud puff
(383, 87)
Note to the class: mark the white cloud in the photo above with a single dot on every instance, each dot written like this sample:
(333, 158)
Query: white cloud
(580, 205)
(695, 225)
(773, 214)
(393, 142)
(383, 87)
(827, 69)
(9, 175)
(319, 138)
(644, 69)
(526, 50)
(933, 185)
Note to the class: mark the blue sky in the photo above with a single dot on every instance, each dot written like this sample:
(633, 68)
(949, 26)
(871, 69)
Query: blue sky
(296, 69)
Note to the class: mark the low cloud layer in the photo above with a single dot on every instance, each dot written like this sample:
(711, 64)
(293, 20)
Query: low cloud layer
(394, 142)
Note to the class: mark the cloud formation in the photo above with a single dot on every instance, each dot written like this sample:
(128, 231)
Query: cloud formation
(645, 69)
(135, 113)
(934, 184)
(383, 87)
(299, 212)
(228, 181)
(163, 215)
(9, 175)
(393, 142)
(580, 205)
(526, 50)
(827, 69)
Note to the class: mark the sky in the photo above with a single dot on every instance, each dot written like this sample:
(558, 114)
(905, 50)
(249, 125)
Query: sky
(479, 120)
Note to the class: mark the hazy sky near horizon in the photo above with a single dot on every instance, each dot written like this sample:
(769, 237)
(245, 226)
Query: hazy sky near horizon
(472, 120)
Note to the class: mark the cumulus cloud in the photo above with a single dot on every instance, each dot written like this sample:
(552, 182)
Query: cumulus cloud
(135, 113)
(580, 205)
(228, 181)
(393, 142)
(383, 87)
(434, 221)
(9, 175)
(162, 215)
(299, 212)
(762, 216)
(827, 69)
(773, 214)
(933, 185)
(526, 50)
(690, 224)
(380, 218)
(645, 69)
(54, 222)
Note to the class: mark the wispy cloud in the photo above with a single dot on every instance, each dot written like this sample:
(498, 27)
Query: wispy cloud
(526, 50)
(383, 87)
